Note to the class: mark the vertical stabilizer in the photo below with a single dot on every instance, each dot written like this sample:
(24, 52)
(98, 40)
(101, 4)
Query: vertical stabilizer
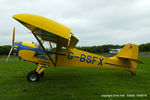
(129, 51)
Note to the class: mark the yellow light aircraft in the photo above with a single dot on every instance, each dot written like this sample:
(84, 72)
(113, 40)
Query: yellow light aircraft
(64, 53)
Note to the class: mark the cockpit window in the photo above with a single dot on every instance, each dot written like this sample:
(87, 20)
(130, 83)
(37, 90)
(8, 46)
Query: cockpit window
(40, 52)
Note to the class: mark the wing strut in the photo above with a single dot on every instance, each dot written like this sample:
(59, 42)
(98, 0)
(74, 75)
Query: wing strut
(44, 50)
(50, 45)
(57, 50)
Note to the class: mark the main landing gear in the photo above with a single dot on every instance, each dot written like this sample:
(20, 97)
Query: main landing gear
(35, 75)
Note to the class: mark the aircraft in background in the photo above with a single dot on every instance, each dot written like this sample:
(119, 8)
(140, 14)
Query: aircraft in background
(114, 51)
(64, 53)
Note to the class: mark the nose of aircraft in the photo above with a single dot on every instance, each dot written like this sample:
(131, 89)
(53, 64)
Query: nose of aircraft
(16, 48)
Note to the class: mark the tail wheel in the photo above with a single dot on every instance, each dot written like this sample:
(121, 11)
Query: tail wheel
(133, 73)
(33, 76)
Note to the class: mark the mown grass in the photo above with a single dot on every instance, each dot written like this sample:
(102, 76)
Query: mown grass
(62, 83)
(3, 57)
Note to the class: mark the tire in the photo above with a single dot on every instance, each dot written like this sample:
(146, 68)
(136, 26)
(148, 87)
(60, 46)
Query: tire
(33, 76)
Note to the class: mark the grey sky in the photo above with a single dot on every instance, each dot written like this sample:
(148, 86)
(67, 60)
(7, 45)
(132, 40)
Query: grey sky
(94, 22)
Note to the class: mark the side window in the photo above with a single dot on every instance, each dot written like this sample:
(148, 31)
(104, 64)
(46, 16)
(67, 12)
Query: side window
(51, 50)
(40, 53)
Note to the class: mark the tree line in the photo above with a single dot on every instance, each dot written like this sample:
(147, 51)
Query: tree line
(4, 50)
(106, 48)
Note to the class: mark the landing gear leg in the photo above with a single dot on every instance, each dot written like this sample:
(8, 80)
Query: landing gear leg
(35, 75)
(41, 74)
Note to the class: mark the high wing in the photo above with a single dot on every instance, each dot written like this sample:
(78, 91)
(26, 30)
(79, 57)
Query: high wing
(47, 29)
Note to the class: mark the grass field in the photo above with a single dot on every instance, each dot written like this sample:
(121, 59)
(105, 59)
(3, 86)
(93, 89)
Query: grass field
(62, 83)
(3, 57)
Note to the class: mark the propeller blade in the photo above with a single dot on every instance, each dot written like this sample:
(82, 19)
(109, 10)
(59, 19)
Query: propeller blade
(13, 39)
(9, 54)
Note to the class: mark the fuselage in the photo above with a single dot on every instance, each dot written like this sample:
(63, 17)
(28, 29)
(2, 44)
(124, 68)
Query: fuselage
(71, 57)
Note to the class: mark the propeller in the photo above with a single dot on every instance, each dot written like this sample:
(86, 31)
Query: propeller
(13, 41)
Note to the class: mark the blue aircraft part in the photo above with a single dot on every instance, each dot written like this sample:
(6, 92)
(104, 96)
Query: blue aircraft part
(18, 46)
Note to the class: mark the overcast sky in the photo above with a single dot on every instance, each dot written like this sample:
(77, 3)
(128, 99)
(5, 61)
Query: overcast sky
(93, 22)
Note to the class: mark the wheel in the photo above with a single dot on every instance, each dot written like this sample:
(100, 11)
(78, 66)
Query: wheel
(33, 76)
(42, 74)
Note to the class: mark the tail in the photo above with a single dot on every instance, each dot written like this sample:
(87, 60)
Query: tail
(129, 54)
